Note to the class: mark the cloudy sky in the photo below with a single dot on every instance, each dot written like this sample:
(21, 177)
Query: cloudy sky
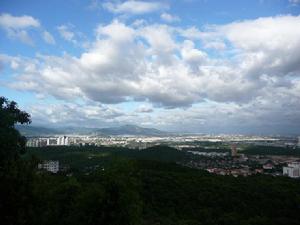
(189, 65)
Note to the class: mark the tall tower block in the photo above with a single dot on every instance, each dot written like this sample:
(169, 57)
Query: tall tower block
(233, 150)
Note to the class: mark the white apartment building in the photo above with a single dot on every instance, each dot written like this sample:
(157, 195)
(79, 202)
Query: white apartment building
(292, 170)
(51, 166)
(63, 140)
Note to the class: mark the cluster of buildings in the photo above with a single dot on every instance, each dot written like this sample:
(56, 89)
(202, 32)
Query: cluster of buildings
(130, 142)
(292, 170)
(47, 141)
(210, 154)
(233, 171)
(176, 141)
(218, 162)
(50, 165)
(244, 165)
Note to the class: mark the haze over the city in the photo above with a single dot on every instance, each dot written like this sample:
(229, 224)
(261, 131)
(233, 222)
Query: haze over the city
(187, 66)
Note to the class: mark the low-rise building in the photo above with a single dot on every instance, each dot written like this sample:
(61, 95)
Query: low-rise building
(292, 170)
(268, 166)
(51, 166)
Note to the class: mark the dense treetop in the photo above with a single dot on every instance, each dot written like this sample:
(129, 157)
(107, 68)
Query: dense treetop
(131, 188)
(11, 141)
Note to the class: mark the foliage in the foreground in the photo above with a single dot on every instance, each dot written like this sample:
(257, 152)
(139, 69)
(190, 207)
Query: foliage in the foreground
(106, 197)
(146, 192)
(159, 192)
(12, 143)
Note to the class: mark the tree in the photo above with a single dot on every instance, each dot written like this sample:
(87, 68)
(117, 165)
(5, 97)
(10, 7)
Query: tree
(12, 143)
(16, 177)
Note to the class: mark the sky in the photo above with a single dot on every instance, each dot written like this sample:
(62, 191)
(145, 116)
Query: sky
(205, 66)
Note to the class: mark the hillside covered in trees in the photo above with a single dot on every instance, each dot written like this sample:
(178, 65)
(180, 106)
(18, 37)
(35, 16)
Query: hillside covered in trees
(141, 187)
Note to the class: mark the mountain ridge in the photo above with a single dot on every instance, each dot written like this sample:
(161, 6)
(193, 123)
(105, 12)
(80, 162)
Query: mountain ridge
(127, 129)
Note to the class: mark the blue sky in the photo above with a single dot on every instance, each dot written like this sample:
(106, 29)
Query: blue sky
(201, 66)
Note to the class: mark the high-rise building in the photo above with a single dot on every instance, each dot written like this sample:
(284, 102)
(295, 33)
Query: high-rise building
(298, 142)
(66, 140)
(233, 150)
(63, 140)
(292, 170)
(58, 141)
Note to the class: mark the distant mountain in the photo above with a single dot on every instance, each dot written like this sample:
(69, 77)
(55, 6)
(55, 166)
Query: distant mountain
(77, 130)
(122, 130)
(36, 131)
(42, 131)
(130, 130)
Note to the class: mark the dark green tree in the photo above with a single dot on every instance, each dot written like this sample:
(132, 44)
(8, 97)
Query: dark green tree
(12, 143)
(15, 175)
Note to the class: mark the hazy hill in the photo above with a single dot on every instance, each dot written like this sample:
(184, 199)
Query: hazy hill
(122, 130)
(130, 130)
(36, 131)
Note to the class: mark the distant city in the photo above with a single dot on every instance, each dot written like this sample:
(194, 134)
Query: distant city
(219, 154)
(176, 141)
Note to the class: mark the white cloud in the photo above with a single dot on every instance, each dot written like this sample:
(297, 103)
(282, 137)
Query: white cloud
(217, 45)
(139, 23)
(66, 33)
(134, 7)
(21, 35)
(70, 114)
(169, 18)
(295, 2)
(8, 21)
(144, 108)
(48, 38)
(191, 33)
(274, 33)
(17, 27)
(192, 55)
(268, 45)
(94, 4)
(160, 38)
(171, 69)
(116, 31)
(260, 116)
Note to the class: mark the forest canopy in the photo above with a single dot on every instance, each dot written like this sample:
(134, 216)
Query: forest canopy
(129, 189)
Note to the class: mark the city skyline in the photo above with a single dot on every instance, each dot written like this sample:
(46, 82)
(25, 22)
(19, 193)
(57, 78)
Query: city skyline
(198, 66)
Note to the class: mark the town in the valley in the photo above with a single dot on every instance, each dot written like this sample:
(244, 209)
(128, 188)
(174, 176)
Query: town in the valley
(236, 155)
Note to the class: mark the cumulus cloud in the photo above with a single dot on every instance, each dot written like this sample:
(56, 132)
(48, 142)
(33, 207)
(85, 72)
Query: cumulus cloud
(134, 7)
(269, 45)
(17, 27)
(295, 2)
(71, 114)
(66, 33)
(217, 45)
(270, 117)
(48, 38)
(8, 21)
(169, 18)
(139, 23)
(256, 70)
(144, 109)
(192, 33)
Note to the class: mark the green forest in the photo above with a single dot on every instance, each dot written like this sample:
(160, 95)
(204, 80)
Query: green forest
(271, 150)
(129, 187)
